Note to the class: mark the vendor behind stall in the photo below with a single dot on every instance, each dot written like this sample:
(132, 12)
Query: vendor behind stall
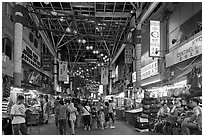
(164, 110)
(195, 121)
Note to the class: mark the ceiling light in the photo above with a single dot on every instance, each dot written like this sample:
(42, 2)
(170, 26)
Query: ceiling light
(94, 52)
(54, 13)
(132, 11)
(75, 32)
(68, 29)
(46, 3)
(106, 56)
(91, 47)
(79, 40)
(62, 19)
(87, 47)
(84, 41)
(101, 54)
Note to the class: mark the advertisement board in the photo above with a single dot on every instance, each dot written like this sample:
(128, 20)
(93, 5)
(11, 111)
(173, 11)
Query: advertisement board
(154, 45)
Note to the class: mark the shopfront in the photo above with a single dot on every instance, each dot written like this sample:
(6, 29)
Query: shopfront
(7, 75)
(185, 64)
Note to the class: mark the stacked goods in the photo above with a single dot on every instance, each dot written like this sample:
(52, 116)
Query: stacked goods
(142, 122)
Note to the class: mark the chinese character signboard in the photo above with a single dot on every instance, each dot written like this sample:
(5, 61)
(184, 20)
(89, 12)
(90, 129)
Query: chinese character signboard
(150, 70)
(154, 49)
(190, 49)
(128, 55)
(46, 61)
(104, 76)
(62, 70)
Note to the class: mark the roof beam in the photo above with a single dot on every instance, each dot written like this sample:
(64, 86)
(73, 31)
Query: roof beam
(111, 14)
(82, 4)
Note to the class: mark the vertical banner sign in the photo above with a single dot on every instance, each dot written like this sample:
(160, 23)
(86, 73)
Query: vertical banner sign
(104, 76)
(154, 49)
(128, 55)
(62, 70)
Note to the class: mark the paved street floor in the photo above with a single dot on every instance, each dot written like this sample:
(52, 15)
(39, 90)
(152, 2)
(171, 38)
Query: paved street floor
(122, 128)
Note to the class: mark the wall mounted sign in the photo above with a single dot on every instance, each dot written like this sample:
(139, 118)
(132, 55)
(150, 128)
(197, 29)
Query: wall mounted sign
(134, 77)
(128, 55)
(150, 70)
(187, 51)
(154, 49)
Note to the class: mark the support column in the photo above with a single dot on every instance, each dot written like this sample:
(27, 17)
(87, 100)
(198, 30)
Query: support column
(55, 75)
(137, 55)
(110, 79)
(18, 38)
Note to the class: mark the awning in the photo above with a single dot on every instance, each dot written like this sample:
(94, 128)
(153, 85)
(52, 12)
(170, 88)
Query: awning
(183, 74)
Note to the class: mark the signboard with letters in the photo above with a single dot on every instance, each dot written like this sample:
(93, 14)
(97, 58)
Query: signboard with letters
(128, 54)
(154, 49)
(187, 51)
(46, 61)
(104, 75)
(134, 77)
(150, 70)
(63, 70)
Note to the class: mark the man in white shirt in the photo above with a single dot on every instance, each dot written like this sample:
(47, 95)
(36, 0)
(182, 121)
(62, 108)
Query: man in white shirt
(18, 114)
(112, 112)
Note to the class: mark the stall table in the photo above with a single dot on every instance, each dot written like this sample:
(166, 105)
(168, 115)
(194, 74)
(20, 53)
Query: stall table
(130, 115)
(120, 114)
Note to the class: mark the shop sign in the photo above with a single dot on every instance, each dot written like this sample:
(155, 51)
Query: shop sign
(32, 77)
(104, 75)
(190, 49)
(150, 70)
(46, 60)
(63, 70)
(134, 76)
(7, 65)
(154, 49)
(128, 54)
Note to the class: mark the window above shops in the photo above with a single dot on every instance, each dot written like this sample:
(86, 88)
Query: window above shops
(7, 47)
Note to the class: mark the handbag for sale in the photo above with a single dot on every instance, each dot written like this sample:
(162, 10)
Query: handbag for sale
(143, 115)
(146, 111)
(146, 106)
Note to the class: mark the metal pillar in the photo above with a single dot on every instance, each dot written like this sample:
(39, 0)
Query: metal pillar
(137, 55)
(18, 38)
(55, 75)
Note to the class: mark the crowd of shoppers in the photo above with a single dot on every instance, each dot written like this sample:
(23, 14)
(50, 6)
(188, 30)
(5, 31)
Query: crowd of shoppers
(95, 115)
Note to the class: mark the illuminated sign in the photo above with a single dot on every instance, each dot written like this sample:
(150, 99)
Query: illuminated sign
(134, 76)
(154, 49)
